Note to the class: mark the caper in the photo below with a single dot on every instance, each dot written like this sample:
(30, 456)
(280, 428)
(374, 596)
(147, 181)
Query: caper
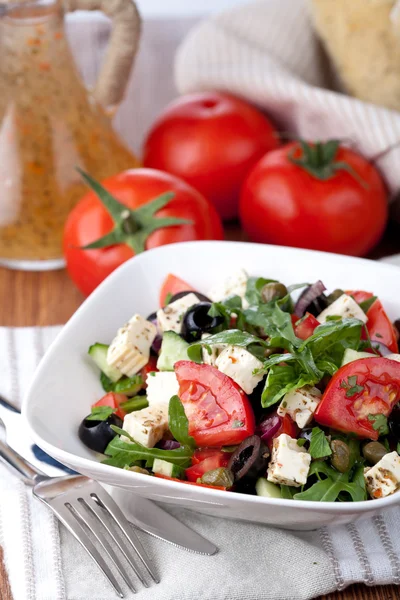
(273, 291)
(373, 452)
(221, 477)
(340, 458)
(334, 296)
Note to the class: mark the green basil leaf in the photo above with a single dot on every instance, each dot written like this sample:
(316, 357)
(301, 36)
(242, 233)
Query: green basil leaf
(178, 423)
(333, 337)
(100, 413)
(281, 380)
(275, 323)
(254, 287)
(231, 337)
(319, 445)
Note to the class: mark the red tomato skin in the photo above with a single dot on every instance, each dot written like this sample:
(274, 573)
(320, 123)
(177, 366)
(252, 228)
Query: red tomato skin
(173, 285)
(212, 487)
(226, 403)
(88, 221)
(151, 366)
(305, 327)
(339, 412)
(211, 140)
(379, 326)
(288, 426)
(283, 204)
(217, 460)
(113, 401)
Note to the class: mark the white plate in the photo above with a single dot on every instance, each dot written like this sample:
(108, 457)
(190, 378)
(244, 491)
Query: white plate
(67, 384)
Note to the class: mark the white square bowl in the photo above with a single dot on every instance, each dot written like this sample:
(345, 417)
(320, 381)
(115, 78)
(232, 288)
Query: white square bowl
(66, 384)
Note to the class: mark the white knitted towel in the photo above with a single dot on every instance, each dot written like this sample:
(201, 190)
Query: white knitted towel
(266, 51)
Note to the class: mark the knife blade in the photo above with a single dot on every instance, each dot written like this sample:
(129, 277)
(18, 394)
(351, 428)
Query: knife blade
(154, 520)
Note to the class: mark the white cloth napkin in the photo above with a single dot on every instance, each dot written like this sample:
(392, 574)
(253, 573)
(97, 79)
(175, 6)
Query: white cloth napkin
(266, 51)
(255, 562)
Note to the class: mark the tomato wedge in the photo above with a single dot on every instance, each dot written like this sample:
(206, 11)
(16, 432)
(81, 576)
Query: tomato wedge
(219, 412)
(212, 487)
(113, 400)
(151, 366)
(304, 327)
(379, 325)
(369, 386)
(214, 461)
(173, 285)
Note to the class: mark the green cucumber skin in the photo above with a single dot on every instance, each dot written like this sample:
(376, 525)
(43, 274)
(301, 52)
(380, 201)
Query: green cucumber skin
(98, 353)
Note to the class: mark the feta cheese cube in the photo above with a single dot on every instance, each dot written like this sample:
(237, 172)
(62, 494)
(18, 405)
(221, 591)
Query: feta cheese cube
(289, 463)
(170, 317)
(344, 307)
(239, 364)
(234, 285)
(147, 426)
(383, 478)
(395, 357)
(209, 358)
(161, 386)
(300, 405)
(130, 349)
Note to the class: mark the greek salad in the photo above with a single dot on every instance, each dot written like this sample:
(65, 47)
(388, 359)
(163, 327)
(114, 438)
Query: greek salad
(248, 390)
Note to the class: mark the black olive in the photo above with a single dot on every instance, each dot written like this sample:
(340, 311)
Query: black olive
(249, 458)
(152, 317)
(394, 422)
(305, 434)
(96, 435)
(197, 321)
(179, 295)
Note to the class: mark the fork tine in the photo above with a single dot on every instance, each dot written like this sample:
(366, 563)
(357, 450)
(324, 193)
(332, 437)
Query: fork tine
(70, 522)
(109, 505)
(92, 524)
(100, 513)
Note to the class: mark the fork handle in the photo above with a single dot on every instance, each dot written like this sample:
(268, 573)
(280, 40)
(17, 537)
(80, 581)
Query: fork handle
(29, 472)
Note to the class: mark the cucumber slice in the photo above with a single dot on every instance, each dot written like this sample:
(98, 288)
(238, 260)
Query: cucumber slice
(351, 355)
(163, 467)
(98, 353)
(267, 489)
(173, 348)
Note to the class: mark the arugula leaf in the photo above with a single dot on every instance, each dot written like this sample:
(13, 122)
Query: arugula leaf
(329, 487)
(129, 385)
(100, 413)
(178, 423)
(106, 383)
(379, 423)
(287, 492)
(232, 337)
(366, 305)
(123, 453)
(168, 298)
(281, 380)
(319, 445)
(254, 287)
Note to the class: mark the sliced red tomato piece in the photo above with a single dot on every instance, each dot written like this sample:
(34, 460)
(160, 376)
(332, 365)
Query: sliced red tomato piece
(369, 386)
(214, 461)
(173, 285)
(201, 454)
(304, 327)
(212, 487)
(379, 325)
(219, 412)
(113, 401)
(288, 426)
(151, 366)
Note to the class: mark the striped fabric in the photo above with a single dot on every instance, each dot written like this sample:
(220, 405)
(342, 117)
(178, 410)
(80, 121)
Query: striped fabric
(266, 52)
(257, 562)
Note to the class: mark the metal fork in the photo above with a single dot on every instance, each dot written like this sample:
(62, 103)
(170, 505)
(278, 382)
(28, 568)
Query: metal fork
(83, 506)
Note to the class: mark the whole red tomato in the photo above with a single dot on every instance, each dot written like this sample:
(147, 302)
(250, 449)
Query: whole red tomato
(319, 196)
(211, 140)
(132, 229)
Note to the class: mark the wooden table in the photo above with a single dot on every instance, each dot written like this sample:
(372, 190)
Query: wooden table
(50, 298)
